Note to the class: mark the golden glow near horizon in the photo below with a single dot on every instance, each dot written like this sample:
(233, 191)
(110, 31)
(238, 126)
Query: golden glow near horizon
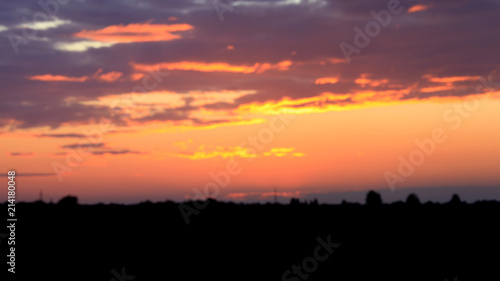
(364, 143)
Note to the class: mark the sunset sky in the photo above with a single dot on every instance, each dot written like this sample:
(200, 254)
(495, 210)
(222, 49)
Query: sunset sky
(143, 100)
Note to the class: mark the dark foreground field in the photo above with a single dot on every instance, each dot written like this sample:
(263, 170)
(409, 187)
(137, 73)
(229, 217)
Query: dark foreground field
(225, 241)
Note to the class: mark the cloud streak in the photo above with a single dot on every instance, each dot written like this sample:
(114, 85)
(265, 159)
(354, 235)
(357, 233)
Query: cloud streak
(135, 32)
(296, 65)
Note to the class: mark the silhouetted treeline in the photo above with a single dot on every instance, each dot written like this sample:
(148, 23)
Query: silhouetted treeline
(408, 240)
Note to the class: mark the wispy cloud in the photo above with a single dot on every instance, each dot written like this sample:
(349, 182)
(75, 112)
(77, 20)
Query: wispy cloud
(115, 152)
(418, 8)
(81, 46)
(57, 78)
(53, 22)
(22, 154)
(84, 145)
(215, 67)
(224, 152)
(80, 136)
(298, 70)
(135, 32)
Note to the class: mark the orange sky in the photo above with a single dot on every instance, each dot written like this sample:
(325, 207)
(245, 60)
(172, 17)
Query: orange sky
(317, 152)
(148, 105)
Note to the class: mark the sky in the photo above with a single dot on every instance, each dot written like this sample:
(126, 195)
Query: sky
(126, 101)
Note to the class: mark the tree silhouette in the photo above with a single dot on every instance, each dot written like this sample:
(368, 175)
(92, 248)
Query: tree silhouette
(373, 198)
(397, 232)
(68, 201)
(413, 200)
(455, 200)
(294, 201)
